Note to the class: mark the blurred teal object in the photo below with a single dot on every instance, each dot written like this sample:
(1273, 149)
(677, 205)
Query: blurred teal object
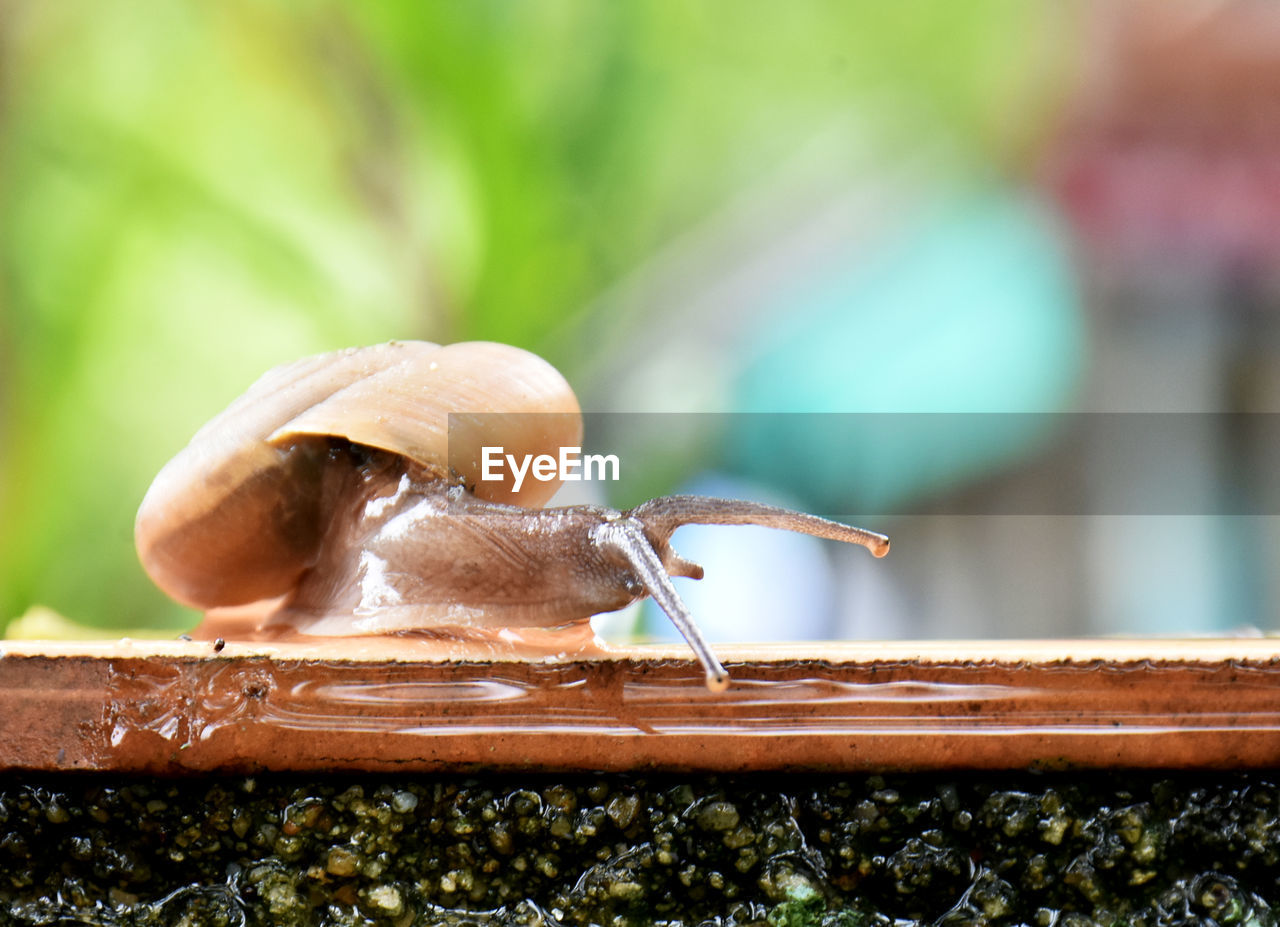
(973, 311)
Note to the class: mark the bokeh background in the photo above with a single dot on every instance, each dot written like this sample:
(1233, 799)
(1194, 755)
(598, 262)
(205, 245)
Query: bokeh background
(999, 206)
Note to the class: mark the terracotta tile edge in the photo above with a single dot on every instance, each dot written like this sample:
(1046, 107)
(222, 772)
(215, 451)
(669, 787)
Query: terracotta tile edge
(153, 710)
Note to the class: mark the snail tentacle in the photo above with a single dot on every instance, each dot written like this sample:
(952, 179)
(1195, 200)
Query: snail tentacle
(662, 516)
(626, 537)
(680, 566)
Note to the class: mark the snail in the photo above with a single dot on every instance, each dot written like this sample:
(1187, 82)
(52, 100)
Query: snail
(335, 493)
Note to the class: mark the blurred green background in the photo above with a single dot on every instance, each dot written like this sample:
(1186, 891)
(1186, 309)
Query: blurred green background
(193, 192)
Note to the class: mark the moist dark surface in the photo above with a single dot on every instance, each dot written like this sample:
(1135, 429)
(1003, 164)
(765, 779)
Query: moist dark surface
(1035, 849)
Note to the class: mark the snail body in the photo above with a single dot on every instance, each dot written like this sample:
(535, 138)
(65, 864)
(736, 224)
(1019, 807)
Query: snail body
(335, 490)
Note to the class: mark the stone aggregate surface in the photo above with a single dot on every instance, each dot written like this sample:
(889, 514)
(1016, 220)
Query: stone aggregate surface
(1043, 850)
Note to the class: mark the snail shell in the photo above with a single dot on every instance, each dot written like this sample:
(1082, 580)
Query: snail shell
(336, 492)
(240, 514)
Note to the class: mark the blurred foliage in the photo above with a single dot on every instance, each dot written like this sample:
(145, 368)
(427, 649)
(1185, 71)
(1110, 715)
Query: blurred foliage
(193, 192)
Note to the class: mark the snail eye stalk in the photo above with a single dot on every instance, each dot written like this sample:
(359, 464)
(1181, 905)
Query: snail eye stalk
(662, 516)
